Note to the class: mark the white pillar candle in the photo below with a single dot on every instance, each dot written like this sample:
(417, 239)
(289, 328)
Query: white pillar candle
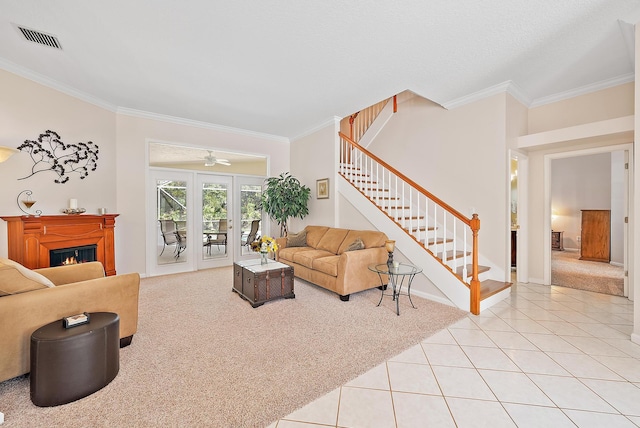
(73, 204)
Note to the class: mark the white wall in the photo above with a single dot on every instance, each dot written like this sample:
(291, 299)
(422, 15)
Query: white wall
(314, 157)
(606, 104)
(28, 109)
(634, 231)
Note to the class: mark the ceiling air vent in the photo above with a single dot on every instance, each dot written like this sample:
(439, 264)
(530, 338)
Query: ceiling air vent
(40, 38)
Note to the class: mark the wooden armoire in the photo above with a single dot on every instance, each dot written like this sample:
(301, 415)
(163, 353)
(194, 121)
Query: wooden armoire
(596, 236)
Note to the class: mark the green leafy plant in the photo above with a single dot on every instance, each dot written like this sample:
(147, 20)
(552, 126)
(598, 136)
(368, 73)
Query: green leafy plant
(285, 197)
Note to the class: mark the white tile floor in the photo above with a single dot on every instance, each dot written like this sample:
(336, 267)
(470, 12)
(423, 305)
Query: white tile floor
(544, 357)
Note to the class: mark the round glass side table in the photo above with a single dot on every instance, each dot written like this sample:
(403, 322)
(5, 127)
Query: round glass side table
(398, 277)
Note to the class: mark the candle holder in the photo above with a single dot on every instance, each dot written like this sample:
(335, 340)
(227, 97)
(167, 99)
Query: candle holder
(27, 202)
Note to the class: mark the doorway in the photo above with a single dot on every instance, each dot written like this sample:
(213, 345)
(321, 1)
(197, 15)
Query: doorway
(202, 205)
(200, 221)
(576, 183)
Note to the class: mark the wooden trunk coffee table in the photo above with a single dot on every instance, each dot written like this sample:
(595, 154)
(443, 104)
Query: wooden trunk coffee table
(259, 283)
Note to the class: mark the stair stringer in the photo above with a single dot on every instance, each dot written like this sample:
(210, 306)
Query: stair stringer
(457, 293)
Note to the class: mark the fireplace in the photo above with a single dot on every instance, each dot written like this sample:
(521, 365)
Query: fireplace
(72, 255)
(32, 239)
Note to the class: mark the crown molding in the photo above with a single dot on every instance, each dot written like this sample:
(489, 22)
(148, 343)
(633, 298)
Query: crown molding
(335, 121)
(198, 124)
(583, 90)
(54, 84)
(514, 90)
(500, 88)
(518, 93)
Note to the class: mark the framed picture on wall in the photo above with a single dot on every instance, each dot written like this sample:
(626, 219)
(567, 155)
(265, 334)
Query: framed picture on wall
(322, 188)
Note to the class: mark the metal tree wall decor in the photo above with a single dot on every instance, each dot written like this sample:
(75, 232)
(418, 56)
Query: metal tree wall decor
(49, 153)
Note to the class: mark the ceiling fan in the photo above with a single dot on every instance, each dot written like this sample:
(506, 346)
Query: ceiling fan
(211, 160)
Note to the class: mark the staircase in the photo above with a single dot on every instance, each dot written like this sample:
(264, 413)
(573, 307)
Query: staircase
(443, 238)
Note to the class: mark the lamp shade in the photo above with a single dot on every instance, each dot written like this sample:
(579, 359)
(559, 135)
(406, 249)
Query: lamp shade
(390, 246)
(6, 153)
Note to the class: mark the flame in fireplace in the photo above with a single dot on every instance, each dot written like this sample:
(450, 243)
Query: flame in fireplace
(70, 261)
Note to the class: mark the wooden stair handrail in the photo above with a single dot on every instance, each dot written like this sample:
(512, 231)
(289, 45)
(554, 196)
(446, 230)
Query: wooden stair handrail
(409, 181)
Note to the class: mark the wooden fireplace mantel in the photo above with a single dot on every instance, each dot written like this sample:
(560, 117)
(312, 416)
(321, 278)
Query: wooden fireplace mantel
(32, 237)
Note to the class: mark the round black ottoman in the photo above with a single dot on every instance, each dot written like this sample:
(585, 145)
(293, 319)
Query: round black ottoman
(70, 363)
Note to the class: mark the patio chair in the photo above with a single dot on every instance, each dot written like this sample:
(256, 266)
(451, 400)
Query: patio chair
(220, 237)
(253, 233)
(170, 236)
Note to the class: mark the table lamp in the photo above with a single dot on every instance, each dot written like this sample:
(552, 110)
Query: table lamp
(390, 246)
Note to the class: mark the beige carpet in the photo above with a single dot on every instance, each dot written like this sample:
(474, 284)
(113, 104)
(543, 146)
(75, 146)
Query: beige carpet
(568, 271)
(203, 357)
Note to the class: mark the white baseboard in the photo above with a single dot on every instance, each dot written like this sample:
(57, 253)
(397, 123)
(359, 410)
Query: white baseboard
(428, 296)
(635, 338)
(538, 281)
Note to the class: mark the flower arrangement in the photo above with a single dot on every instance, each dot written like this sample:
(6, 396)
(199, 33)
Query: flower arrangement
(265, 245)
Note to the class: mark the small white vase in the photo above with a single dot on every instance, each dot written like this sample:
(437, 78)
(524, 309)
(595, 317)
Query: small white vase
(263, 258)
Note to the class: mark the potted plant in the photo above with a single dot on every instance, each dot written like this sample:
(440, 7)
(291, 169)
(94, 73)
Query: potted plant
(284, 197)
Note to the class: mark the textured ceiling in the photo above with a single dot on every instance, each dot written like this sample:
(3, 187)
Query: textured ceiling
(285, 67)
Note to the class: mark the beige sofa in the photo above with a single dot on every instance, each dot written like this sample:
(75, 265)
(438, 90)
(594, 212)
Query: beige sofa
(336, 259)
(30, 299)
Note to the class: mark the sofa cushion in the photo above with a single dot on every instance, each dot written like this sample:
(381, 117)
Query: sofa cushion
(15, 278)
(358, 244)
(287, 253)
(306, 258)
(371, 239)
(314, 234)
(328, 265)
(297, 239)
(332, 240)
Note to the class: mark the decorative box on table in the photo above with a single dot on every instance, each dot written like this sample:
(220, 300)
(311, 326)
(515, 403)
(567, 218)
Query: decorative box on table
(259, 283)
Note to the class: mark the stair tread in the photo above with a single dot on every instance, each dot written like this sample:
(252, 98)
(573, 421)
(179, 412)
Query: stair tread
(490, 287)
(421, 228)
(451, 256)
(438, 241)
(481, 269)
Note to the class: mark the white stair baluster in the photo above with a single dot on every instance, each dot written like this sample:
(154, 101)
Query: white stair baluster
(455, 243)
(464, 258)
(418, 207)
(376, 179)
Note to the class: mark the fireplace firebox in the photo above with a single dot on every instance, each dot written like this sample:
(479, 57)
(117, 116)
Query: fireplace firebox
(72, 255)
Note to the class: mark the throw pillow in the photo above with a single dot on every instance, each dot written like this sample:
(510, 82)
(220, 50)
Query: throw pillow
(15, 278)
(358, 244)
(297, 239)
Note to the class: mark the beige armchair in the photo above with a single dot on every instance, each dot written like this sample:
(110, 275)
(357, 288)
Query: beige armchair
(30, 299)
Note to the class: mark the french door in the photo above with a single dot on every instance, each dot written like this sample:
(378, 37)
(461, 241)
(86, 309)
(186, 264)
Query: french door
(214, 223)
(200, 221)
(169, 222)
